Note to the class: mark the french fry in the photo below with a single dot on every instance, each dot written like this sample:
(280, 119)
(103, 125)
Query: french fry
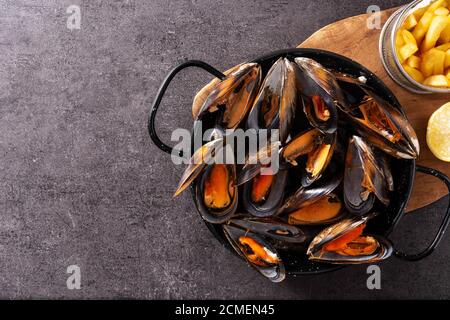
(408, 38)
(438, 24)
(410, 22)
(447, 59)
(441, 11)
(414, 73)
(437, 81)
(413, 62)
(427, 65)
(399, 56)
(420, 30)
(407, 50)
(438, 62)
(399, 42)
(444, 47)
(445, 34)
(435, 5)
(418, 13)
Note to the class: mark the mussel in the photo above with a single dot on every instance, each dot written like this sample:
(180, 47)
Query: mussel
(263, 195)
(380, 123)
(216, 194)
(318, 160)
(257, 160)
(231, 98)
(257, 252)
(198, 162)
(270, 227)
(320, 94)
(303, 197)
(364, 178)
(344, 243)
(319, 149)
(325, 210)
(204, 92)
(263, 184)
(301, 145)
(275, 104)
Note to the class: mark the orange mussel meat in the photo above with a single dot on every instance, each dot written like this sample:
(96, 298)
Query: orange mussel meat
(317, 159)
(352, 243)
(320, 109)
(261, 187)
(324, 209)
(257, 253)
(219, 188)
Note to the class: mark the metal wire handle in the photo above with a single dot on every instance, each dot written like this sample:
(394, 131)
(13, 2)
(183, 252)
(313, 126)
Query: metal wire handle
(162, 90)
(442, 228)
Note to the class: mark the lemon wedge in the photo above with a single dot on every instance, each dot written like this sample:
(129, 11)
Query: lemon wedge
(438, 133)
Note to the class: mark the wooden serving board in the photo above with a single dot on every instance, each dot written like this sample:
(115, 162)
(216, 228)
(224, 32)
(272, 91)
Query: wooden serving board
(352, 38)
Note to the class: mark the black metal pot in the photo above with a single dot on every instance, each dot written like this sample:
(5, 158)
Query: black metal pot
(403, 170)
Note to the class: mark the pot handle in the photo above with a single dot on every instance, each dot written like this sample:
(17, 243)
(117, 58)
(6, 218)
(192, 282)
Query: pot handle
(162, 90)
(442, 228)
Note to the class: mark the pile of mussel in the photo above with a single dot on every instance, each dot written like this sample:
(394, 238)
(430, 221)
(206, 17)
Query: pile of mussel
(337, 138)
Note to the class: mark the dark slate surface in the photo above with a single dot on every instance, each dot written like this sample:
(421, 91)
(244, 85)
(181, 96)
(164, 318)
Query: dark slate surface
(82, 184)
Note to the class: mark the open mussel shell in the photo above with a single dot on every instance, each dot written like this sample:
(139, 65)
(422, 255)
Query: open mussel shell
(303, 197)
(257, 252)
(318, 149)
(198, 162)
(383, 251)
(270, 227)
(318, 159)
(324, 78)
(363, 178)
(204, 92)
(231, 97)
(407, 143)
(336, 230)
(379, 122)
(354, 250)
(263, 195)
(321, 113)
(356, 199)
(320, 94)
(256, 161)
(274, 106)
(301, 145)
(326, 210)
(216, 194)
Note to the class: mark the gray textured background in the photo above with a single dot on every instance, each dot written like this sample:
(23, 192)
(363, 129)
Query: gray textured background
(81, 183)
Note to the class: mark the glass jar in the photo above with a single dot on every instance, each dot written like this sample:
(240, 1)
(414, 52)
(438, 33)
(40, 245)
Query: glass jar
(388, 53)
